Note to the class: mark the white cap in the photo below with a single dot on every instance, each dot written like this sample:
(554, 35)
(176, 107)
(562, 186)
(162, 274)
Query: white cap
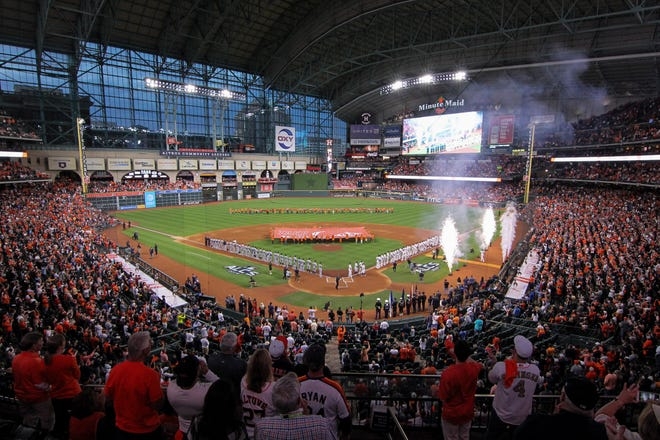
(523, 346)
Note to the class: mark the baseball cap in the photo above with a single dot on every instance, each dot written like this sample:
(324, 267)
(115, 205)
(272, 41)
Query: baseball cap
(581, 392)
(523, 346)
(277, 347)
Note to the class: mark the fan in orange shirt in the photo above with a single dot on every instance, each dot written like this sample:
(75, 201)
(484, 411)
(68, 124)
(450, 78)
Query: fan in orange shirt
(63, 374)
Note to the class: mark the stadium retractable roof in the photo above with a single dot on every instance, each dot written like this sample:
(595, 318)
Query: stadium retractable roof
(346, 51)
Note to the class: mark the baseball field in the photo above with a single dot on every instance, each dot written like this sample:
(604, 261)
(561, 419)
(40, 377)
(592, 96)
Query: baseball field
(182, 234)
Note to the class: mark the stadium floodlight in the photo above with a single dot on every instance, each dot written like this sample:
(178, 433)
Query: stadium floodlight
(13, 154)
(631, 158)
(432, 78)
(192, 89)
(425, 79)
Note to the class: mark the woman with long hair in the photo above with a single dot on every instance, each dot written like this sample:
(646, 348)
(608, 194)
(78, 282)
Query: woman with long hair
(63, 375)
(257, 389)
(221, 415)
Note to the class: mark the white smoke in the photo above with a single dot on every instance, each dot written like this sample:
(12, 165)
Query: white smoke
(449, 242)
(508, 221)
(488, 226)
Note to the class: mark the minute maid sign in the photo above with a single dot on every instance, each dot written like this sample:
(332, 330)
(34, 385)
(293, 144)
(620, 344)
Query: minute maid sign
(441, 105)
(285, 139)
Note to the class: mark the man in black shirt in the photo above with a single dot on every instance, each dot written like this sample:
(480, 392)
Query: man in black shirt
(227, 364)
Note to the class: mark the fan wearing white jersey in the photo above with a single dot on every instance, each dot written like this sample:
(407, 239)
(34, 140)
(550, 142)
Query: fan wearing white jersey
(515, 382)
(323, 395)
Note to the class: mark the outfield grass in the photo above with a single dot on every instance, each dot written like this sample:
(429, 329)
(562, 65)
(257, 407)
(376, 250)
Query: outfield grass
(162, 225)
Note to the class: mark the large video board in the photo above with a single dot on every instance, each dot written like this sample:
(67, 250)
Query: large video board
(443, 134)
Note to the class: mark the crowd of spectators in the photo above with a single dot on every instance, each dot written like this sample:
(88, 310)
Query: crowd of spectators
(620, 172)
(10, 127)
(599, 272)
(496, 166)
(141, 185)
(635, 121)
(14, 171)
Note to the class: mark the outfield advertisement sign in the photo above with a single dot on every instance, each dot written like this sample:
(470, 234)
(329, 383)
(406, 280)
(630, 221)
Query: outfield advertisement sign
(149, 199)
(285, 139)
(119, 164)
(188, 164)
(208, 164)
(95, 163)
(167, 164)
(258, 164)
(225, 164)
(61, 163)
(144, 164)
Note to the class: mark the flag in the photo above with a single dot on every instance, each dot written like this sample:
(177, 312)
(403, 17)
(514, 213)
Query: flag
(391, 298)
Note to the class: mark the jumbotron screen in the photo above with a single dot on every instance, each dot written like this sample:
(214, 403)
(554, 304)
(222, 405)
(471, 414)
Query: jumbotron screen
(443, 134)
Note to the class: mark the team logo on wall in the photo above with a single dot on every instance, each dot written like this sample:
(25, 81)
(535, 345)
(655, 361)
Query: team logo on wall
(366, 118)
(242, 270)
(285, 139)
(442, 106)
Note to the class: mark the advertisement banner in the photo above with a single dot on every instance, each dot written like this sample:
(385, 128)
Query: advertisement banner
(392, 142)
(208, 164)
(242, 164)
(95, 163)
(392, 135)
(285, 139)
(188, 164)
(273, 164)
(167, 164)
(300, 165)
(144, 164)
(287, 165)
(501, 130)
(61, 163)
(149, 199)
(119, 164)
(365, 134)
(258, 164)
(225, 164)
